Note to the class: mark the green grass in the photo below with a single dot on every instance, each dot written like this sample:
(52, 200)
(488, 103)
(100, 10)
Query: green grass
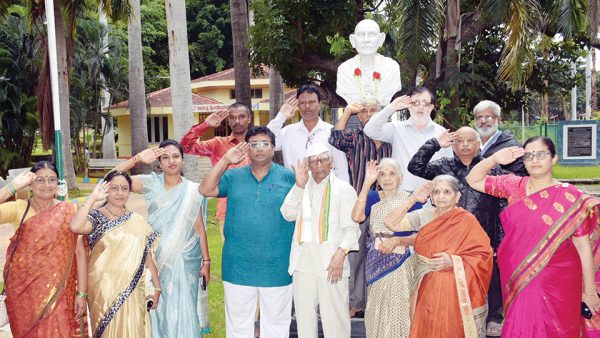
(563, 172)
(215, 286)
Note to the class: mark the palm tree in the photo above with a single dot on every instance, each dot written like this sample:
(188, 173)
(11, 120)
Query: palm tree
(241, 55)
(137, 96)
(65, 30)
(181, 88)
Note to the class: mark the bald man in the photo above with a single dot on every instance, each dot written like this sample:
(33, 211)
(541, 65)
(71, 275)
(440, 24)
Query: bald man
(466, 145)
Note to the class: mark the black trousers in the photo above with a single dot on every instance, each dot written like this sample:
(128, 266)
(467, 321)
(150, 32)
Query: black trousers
(495, 296)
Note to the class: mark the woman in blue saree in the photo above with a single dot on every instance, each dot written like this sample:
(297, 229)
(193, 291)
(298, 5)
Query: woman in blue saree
(175, 211)
(389, 266)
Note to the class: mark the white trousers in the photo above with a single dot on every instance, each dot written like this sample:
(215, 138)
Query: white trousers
(240, 310)
(312, 292)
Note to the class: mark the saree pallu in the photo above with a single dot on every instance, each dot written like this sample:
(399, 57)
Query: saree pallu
(450, 303)
(537, 260)
(119, 249)
(172, 214)
(40, 275)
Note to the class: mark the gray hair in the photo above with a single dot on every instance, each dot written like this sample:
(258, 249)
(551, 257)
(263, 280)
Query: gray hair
(393, 163)
(450, 180)
(487, 104)
(370, 101)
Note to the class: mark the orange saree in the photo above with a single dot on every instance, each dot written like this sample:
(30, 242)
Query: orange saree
(443, 302)
(40, 276)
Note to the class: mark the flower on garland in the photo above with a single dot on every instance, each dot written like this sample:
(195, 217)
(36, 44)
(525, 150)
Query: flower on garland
(357, 72)
(376, 76)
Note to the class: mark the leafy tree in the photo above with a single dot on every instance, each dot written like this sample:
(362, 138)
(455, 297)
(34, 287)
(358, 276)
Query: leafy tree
(19, 70)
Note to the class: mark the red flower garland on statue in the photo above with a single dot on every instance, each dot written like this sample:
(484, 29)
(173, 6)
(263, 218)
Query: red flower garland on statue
(376, 76)
(357, 72)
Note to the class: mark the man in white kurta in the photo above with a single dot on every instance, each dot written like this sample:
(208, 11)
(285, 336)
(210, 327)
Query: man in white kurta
(408, 136)
(294, 139)
(321, 205)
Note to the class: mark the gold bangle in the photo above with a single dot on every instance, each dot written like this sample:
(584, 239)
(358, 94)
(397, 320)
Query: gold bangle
(157, 289)
(589, 294)
(82, 295)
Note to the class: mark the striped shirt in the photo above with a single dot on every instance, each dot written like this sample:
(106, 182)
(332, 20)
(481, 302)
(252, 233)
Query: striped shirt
(359, 149)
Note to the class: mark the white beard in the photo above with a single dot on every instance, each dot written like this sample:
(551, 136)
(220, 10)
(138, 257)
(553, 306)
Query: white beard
(487, 132)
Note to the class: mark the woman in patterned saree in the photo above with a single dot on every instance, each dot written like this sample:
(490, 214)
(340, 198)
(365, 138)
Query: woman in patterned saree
(546, 263)
(45, 273)
(175, 211)
(120, 243)
(453, 263)
(389, 266)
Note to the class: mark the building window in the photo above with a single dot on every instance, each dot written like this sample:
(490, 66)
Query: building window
(254, 93)
(158, 128)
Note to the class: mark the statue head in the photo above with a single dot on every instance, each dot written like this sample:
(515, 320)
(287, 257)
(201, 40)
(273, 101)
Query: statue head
(367, 37)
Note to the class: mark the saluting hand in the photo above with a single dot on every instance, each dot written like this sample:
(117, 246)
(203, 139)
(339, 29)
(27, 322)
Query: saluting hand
(446, 139)
(422, 193)
(23, 180)
(215, 119)
(508, 155)
(289, 107)
(301, 172)
(371, 173)
(236, 154)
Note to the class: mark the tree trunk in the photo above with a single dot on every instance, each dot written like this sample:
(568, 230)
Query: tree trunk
(452, 119)
(275, 93)
(239, 31)
(63, 90)
(181, 87)
(594, 98)
(137, 96)
(594, 22)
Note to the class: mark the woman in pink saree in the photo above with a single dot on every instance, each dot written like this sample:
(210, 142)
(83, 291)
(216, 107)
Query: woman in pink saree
(546, 259)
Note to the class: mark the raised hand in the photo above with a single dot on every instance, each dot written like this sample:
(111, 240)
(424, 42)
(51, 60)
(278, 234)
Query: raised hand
(100, 192)
(401, 102)
(508, 155)
(371, 173)
(23, 180)
(148, 156)
(236, 154)
(214, 120)
(446, 139)
(422, 193)
(289, 107)
(301, 172)
(353, 108)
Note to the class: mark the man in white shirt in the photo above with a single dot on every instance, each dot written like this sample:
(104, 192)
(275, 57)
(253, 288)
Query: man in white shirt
(408, 136)
(321, 205)
(293, 140)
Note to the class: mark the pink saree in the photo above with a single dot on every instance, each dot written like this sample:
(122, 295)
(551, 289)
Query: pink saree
(540, 269)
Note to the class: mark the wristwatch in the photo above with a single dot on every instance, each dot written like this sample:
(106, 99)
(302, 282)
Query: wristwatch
(345, 251)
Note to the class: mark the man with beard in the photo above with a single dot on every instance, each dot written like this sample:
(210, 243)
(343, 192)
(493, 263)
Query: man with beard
(487, 119)
(258, 239)
(239, 117)
(359, 150)
(466, 144)
(407, 136)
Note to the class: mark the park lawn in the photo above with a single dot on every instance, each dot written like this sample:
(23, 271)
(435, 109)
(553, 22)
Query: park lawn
(215, 286)
(564, 172)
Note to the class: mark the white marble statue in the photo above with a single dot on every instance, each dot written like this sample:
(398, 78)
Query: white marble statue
(368, 73)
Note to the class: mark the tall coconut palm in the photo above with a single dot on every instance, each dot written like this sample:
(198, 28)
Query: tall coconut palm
(179, 68)
(137, 96)
(241, 55)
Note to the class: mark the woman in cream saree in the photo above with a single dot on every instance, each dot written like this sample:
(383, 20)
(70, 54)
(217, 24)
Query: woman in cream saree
(120, 243)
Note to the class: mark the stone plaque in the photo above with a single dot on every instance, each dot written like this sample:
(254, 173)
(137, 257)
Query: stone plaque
(579, 141)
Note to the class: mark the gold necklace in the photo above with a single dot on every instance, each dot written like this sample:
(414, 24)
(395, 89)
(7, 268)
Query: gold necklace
(114, 215)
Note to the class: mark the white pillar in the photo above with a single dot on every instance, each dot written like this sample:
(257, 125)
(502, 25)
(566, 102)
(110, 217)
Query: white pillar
(573, 94)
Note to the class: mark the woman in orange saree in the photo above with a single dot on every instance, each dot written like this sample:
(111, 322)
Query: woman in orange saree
(45, 262)
(454, 263)
(546, 259)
